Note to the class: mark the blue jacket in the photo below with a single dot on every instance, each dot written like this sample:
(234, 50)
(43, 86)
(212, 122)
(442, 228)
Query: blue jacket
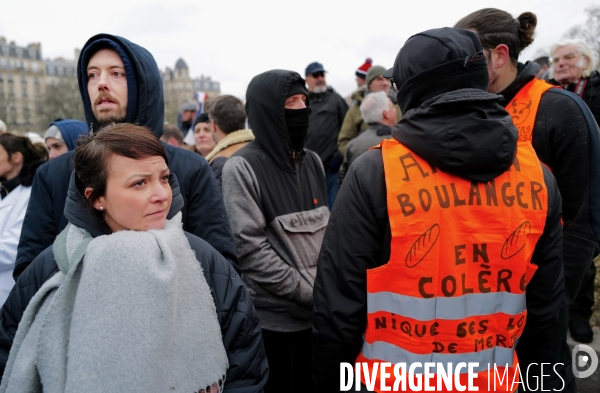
(240, 327)
(204, 214)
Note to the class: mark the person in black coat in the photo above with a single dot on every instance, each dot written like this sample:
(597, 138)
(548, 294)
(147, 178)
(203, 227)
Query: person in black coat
(457, 127)
(142, 103)
(328, 110)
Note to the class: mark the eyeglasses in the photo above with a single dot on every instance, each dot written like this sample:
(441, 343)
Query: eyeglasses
(318, 74)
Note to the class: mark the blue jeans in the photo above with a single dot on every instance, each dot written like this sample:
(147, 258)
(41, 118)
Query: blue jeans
(332, 187)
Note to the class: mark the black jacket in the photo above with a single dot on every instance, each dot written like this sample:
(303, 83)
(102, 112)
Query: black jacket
(565, 137)
(591, 93)
(327, 114)
(203, 213)
(465, 134)
(370, 137)
(240, 327)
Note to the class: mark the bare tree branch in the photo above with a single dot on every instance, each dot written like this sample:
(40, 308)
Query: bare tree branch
(61, 100)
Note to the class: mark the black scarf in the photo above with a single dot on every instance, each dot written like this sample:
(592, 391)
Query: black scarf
(297, 126)
(7, 186)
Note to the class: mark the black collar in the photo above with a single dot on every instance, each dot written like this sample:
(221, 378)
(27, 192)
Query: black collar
(526, 72)
(8, 185)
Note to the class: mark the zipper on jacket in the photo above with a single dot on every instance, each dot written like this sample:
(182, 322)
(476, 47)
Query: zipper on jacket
(295, 159)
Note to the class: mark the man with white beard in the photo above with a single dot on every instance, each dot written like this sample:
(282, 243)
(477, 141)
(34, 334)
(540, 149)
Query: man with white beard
(326, 118)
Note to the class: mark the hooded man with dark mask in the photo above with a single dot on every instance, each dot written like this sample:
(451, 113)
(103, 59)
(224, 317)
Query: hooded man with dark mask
(276, 198)
(401, 272)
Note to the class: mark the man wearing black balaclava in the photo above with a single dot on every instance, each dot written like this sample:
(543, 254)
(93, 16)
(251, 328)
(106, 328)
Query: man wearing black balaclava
(276, 198)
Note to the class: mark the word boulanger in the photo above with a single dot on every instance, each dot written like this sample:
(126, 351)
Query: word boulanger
(430, 377)
(524, 194)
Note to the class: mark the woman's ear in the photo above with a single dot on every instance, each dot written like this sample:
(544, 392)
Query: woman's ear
(98, 204)
(16, 158)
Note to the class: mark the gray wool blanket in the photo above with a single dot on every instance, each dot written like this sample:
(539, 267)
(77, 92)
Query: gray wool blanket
(128, 312)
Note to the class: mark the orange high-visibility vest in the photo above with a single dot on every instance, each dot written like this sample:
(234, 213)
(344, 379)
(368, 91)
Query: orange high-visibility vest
(524, 106)
(454, 287)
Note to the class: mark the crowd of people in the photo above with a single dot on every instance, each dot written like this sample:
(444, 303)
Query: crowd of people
(449, 210)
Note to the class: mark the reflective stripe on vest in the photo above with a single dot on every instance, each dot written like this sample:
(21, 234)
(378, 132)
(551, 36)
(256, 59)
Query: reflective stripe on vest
(454, 288)
(524, 106)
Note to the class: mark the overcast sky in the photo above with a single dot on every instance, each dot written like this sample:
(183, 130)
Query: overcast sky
(234, 40)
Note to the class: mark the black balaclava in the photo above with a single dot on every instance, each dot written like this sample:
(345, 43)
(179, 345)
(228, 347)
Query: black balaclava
(201, 118)
(297, 119)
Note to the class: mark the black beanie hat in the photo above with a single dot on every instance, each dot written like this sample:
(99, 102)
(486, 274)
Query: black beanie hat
(298, 87)
(438, 61)
(201, 118)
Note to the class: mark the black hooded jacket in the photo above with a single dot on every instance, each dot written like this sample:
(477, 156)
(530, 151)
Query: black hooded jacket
(240, 327)
(328, 110)
(203, 212)
(276, 198)
(565, 137)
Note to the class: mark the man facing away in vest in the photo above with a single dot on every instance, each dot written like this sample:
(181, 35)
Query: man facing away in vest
(444, 245)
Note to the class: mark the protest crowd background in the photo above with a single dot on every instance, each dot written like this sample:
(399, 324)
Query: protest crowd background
(246, 244)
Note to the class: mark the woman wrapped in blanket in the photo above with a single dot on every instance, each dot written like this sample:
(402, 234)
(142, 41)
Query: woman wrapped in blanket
(136, 304)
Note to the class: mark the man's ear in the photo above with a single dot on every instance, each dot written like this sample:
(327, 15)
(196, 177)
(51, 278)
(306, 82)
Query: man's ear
(500, 56)
(385, 114)
(213, 125)
(586, 62)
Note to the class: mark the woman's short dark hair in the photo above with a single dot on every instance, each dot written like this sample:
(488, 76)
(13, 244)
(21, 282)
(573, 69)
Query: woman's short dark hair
(93, 154)
(34, 155)
(495, 27)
